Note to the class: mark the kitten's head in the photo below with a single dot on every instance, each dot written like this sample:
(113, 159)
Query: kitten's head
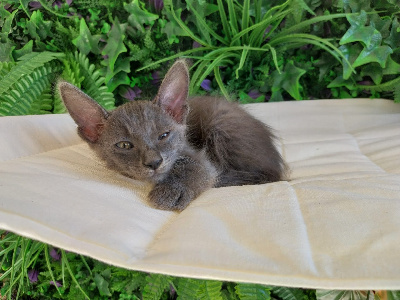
(140, 139)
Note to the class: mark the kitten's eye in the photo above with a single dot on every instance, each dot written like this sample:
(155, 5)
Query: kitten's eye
(124, 145)
(163, 136)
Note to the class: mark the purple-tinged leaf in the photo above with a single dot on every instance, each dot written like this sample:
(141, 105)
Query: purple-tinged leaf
(132, 93)
(254, 93)
(196, 45)
(158, 4)
(156, 78)
(54, 254)
(33, 275)
(57, 283)
(34, 5)
(206, 85)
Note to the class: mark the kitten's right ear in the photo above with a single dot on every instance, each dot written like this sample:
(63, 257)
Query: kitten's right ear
(87, 113)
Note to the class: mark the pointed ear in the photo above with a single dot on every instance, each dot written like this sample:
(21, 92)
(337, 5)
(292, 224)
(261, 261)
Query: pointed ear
(87, 113)
(174, 90)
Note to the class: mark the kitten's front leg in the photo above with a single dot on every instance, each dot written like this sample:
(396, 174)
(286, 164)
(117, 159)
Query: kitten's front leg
(190, 176)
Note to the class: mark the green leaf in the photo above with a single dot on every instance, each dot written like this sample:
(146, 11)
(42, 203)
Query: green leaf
(93, 83)
(156, 284)
(187, 288)
(374, 71)
(102, 285)
(115, 43)
(6, 29)
(210, 290)
(392, 67)
(325, 64)
(289, 80)
(374, 53)
(138, 15)
(248, 291)
(358, 32)
(121, 78)
(286, 293)
(350, 52)
(6, 50)
(28, 63)
(340, 295)
(37, 27)
(85, 41)
(24, 50)
(341, 82)
(394, 38)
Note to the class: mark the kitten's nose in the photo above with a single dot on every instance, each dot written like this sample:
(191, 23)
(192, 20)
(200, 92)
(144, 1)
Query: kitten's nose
(154, 164)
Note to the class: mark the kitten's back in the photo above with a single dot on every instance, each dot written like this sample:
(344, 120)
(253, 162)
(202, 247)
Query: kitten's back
(238, 144)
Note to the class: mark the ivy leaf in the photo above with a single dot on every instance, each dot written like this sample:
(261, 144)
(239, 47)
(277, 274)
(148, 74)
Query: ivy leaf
(357, 5)
(289, 80)
(37, 27)
(374, 52)
(341, 82)
(172, 28)
(325, 64)
(24, 50)
(139, 16)
(382, 24)
(351, 53)
(374, 71)
(392, 67)
(115, 43)
(102, 285)
(358, 32)
(87, 42)
(118, 79)
(394, 38)
(119, 75)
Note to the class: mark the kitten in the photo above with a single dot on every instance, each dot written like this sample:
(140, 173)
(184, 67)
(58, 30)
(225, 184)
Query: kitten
(182, 146)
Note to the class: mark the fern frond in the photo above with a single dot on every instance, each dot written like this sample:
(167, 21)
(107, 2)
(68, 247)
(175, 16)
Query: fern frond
(187, 288)
(210, 290)
(19, 99)
(26, 65)
(72, 71)
(389, 86)
(93, 83)
(248, 291)
(285, 293)
(155, 287)
(43, 104)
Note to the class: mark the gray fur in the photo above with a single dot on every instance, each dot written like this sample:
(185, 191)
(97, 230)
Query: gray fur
(182, 151)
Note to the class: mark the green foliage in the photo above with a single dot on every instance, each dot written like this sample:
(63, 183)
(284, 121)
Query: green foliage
(238, 46)
(279, 50)
(26, 86)
(65, 275)
(253, 291)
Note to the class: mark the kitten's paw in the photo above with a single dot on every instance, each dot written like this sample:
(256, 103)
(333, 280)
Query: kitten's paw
(171, 197)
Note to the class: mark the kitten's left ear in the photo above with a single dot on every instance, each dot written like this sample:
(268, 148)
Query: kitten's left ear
(174, 91)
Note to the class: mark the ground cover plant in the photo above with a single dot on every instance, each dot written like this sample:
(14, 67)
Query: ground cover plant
(118, 51)
(33, 270)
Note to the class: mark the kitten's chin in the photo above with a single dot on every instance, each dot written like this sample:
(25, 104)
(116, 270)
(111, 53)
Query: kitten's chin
(152, 176)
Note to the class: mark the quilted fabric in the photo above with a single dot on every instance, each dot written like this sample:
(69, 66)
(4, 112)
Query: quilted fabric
(335, 224)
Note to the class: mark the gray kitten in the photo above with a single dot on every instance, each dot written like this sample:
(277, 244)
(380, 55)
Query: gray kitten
(182, 151)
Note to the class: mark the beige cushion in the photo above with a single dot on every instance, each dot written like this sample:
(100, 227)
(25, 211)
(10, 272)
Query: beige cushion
(336, 224)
